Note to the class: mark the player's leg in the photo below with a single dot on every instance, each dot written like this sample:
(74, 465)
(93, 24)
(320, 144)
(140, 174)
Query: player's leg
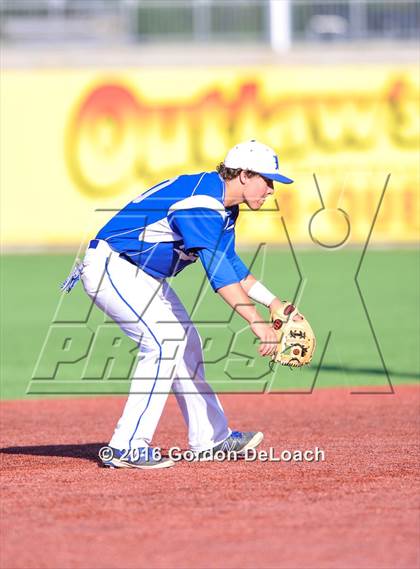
(136, 303)
(200, 406)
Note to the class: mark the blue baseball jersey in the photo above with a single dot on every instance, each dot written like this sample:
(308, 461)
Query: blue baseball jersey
(169, 226)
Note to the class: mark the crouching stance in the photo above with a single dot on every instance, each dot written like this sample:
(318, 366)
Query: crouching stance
(124, 272)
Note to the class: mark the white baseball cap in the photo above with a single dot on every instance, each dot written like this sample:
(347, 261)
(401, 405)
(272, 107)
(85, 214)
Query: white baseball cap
(259, 158)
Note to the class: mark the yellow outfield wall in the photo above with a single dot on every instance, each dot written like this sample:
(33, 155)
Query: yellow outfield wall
(76, 142)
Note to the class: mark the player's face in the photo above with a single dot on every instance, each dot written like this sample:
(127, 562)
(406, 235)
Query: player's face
(256, 191)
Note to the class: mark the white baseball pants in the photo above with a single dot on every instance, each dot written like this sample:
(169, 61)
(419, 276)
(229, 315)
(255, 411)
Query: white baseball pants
(170, 356)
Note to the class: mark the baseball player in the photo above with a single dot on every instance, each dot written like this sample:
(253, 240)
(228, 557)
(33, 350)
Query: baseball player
(124, 272)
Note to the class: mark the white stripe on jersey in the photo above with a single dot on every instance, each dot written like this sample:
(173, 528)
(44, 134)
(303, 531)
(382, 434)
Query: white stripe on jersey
(154, 189)
(159, 232)
(200, 201)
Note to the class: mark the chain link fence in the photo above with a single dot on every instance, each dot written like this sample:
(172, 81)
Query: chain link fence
(250, 21)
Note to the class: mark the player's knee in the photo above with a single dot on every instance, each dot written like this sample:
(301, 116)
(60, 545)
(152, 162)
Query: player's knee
(164, 339)
(173, 343)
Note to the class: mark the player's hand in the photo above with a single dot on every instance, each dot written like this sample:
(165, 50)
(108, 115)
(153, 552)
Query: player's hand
(267, 336)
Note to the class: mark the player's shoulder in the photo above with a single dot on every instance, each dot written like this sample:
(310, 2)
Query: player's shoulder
(206, 192)
(210, 184)
(203, 183)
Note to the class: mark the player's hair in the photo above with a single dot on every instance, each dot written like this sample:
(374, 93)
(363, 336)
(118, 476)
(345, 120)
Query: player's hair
(231, 173)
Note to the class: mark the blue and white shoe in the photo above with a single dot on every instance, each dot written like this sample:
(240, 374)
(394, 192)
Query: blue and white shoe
(236, 443)
(146, 458)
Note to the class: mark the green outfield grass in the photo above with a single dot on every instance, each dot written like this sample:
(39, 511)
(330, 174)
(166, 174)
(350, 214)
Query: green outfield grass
(36, 320)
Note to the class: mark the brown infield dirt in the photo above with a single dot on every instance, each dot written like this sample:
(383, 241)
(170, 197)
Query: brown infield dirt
(358, 508)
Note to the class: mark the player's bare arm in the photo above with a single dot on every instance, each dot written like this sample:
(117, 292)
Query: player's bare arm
(274, 305)
(236, 297)
(249, 282)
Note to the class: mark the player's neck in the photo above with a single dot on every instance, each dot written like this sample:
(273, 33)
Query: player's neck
(233, 192)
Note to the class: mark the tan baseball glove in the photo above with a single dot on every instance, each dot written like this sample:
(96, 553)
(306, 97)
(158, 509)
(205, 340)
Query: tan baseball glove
(296, 340)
